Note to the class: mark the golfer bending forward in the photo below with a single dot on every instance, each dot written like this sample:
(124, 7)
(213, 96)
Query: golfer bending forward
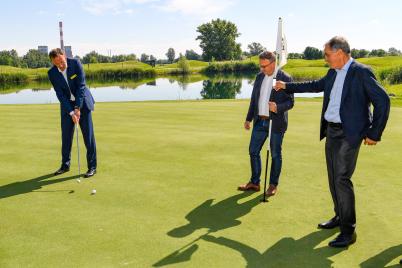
(76, 103)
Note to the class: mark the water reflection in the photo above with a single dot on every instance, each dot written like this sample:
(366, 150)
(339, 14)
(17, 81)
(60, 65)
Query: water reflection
(191, 87)
(221, 89)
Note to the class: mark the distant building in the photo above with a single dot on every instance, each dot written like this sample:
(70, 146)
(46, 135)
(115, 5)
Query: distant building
(68, 51)
(43, 49)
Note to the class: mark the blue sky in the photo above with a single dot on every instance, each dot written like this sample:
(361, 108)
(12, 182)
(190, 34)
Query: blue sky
(152, 26)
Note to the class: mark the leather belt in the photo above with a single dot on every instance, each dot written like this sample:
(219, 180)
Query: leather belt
(335, 125)
(263, 117)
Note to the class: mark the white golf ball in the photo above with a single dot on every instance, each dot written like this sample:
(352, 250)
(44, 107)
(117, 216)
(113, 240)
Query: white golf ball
(78, 180)
(93, 191)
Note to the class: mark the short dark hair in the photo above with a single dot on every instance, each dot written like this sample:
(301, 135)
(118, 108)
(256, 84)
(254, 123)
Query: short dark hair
(267, 55)
(55, 52)
(339, 42)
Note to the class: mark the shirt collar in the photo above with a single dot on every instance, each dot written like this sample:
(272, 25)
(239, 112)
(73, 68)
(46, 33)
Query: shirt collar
(347, 65)
(65, 70)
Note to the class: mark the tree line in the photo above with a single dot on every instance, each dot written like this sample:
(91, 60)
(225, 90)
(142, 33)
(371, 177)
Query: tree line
(217, 42)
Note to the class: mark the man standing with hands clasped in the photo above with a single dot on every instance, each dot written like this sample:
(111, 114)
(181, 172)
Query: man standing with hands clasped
(76, 106)
(346, 120)
(266, 103)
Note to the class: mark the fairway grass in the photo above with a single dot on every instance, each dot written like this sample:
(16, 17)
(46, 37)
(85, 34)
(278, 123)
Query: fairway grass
(166, 192)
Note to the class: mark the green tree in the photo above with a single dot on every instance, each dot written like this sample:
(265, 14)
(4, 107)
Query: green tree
(171, 54)
(312, 53)
(218, 40)
(394, 52)
(378, 53)
(192, 55)
(183, 65)
(255, 49)
(10, 57)
(95, 57)
(144, 57)
(35, 59)
(359, 53)
(295, 56)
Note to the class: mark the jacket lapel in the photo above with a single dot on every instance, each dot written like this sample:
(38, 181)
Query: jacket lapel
(328, 87)
(348, 81)
(70, 72)
(61, 78)
(258, 87)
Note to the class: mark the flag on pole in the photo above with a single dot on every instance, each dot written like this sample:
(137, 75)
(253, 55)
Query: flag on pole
(281, 48)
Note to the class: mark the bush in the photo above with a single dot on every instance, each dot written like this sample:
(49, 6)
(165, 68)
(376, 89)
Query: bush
(232, 67)
(17, 78)
(392, 75)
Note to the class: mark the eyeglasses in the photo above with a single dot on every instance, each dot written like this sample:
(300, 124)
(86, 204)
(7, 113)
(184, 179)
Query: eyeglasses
(266, 65)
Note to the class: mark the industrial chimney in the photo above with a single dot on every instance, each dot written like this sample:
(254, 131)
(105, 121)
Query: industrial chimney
(61, 35)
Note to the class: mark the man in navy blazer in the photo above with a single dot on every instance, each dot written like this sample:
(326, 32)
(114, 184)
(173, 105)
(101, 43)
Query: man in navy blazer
(346, 120)
(266, 102)
(76, 106)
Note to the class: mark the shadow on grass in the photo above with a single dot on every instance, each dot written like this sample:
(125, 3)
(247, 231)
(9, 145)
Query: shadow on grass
(214, 217)
(23, 187)
(287, 252)
(383, 258)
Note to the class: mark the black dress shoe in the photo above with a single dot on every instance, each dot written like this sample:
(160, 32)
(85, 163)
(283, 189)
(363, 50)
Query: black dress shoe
(62, 170)
(343, 240)
(90, 172)
(332, 223)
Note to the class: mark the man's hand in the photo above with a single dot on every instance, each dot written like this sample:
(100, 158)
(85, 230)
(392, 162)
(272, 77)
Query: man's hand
(368, 141)
(75, 119)
(279, 85)
(77, 113)
(272, 107)
(247, 125)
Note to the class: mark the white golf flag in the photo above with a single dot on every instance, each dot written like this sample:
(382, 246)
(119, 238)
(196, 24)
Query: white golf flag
(281, 47)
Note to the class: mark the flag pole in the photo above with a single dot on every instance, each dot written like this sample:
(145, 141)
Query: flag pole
(280, 55)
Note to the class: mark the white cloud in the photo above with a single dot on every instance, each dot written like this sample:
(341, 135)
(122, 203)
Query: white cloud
(203, 8)
(99, 7)
(196, 7)
(41, 12)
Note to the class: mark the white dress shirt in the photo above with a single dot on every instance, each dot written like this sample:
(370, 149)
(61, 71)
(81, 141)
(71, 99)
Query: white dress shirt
(265, 93)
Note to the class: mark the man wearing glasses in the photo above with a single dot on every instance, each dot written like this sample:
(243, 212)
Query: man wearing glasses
(266, 103)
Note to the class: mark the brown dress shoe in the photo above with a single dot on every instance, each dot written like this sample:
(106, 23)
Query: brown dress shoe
(272, 189)
(249, 187)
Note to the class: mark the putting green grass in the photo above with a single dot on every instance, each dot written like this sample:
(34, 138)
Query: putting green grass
(166, 192)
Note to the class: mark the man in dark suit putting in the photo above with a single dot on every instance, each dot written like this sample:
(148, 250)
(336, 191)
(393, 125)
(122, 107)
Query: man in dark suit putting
(76, 106)
(346, 120)
(266, 103)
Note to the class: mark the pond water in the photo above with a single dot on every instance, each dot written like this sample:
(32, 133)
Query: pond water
(180, 88)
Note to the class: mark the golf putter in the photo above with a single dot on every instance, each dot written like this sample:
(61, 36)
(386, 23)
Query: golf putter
(78, 153)
(264, 198)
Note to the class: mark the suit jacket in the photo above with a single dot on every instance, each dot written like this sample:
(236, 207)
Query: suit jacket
(76, 83)
(283, 100)
(360, 90)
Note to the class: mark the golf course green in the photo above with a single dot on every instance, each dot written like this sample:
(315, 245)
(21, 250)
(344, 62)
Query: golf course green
(166, 191)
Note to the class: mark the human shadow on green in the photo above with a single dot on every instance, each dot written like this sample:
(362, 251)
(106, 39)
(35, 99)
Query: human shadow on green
(216, 217)
(383, 258)
(23, 187)
(211, 216)
(287, 252)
